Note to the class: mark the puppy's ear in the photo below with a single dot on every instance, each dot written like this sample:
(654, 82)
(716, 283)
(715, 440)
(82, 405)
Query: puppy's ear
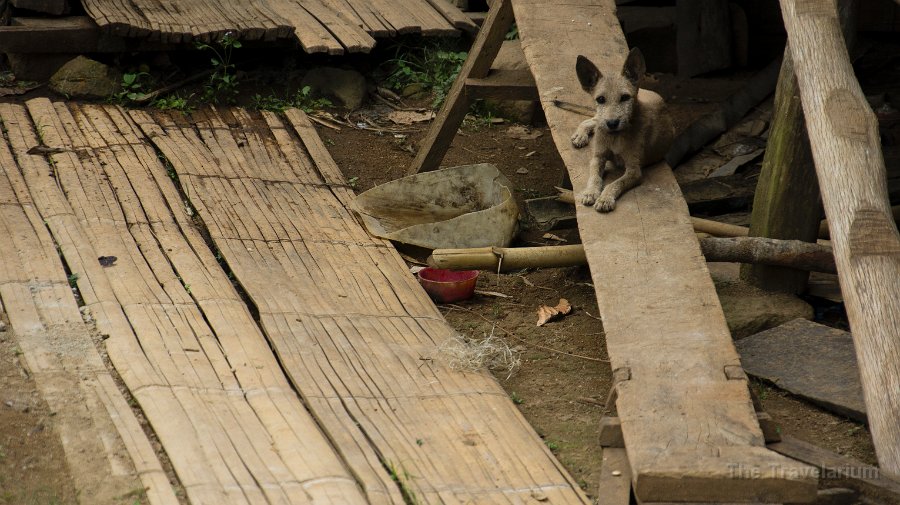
(634, 67)
(588, 73)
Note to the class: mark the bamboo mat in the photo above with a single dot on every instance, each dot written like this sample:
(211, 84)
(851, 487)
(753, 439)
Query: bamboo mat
(108, 453)
(355, 404)
(320, 26)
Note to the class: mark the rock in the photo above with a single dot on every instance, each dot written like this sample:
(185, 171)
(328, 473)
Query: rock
(348, 87)
(85, 78)
(749, 310)
(511, 57)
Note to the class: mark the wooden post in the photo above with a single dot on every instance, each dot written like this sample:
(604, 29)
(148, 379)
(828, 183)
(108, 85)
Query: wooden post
(485, 48)
(786, 204)
(843, 133)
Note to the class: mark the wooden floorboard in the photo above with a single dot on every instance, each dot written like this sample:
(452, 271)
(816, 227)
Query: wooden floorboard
(688, 423)
(107, 451)
(352, 328)
(179, 334)
(329, 26)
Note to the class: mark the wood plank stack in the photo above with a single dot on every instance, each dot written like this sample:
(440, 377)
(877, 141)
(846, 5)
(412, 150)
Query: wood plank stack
(321, 26)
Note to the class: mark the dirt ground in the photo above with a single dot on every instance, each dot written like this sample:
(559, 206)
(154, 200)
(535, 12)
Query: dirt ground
(562, 383)
(33, 469)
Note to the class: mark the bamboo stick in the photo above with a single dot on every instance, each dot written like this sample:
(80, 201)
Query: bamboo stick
(756, 250)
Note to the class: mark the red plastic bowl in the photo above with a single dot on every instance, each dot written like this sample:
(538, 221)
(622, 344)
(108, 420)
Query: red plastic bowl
(448, 286)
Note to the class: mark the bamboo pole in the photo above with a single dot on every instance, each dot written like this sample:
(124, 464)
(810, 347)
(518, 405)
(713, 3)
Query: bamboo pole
(757, 250)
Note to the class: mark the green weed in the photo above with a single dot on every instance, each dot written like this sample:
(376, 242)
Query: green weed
(434, 66)
(134, 86)
(302, 99)
(174, 102)
(223, 83)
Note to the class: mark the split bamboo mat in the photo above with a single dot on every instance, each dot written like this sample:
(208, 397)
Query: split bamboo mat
(321, 381)
(320, 26)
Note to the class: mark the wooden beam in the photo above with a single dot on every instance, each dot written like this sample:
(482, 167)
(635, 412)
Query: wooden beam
(485, 48)
(690, 431)
(866, 479)
(786, 204)
(503, 85)
(843, 133)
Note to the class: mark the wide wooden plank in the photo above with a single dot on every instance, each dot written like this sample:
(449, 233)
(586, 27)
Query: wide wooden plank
(352, 328)
(107, 451)
(183, 340)
(846, 148)
(687, 419)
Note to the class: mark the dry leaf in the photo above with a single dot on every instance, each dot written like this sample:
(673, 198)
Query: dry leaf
(550, 236)
(546, 314)
(406, 117)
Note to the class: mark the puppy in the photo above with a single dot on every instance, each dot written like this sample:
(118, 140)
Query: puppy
(630, 128)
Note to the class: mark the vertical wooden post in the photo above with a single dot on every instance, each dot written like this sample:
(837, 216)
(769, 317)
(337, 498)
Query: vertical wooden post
(843, 134)
(485, 48)
(786, 204)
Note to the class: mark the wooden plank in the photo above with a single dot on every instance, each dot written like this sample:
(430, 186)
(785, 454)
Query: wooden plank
(454, 16)
(348, 322)
(179, 333)
(52, 7)
(502, 85)
(843, 132)
(663, 323)
(352, 37)
(107, 451)
(313, 37)
(615, 477)
(485, 48)
(843, 470)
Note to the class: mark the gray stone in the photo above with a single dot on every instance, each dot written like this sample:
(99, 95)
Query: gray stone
(85, 78)
(348, 87)
(750, 310)
(812, 361)
(511, 57)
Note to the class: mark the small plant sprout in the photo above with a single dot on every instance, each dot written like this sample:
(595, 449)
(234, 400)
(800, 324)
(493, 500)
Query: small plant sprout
(222, 84)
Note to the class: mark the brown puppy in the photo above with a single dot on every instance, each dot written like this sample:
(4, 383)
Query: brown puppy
(631, 128)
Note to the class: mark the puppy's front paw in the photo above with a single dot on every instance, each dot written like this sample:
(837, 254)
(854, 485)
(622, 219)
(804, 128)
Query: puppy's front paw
(605, 203)
(588, 197)
(580, 138)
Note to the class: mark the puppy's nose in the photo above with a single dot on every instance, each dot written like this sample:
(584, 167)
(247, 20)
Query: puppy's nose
(612, 124)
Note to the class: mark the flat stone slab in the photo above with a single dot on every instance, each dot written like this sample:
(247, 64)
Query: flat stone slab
(810, 360)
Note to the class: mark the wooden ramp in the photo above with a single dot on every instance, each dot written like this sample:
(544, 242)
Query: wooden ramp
(355, 404)
(332, 26)
(689, 426)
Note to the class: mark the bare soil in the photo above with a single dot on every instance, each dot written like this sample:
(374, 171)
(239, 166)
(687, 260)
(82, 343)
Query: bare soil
(33, 468)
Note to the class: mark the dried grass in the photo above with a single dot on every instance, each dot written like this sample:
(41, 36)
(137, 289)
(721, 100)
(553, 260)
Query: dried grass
(470, 354)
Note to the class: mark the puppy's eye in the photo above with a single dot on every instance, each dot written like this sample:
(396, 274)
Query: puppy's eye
(625, 98)
(601, 100)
